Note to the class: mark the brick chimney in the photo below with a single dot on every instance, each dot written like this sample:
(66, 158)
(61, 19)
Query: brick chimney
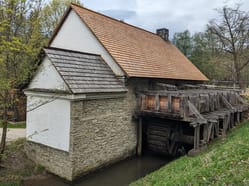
(163, 33)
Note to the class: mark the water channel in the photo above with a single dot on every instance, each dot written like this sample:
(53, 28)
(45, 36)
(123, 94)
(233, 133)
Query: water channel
(119, 174)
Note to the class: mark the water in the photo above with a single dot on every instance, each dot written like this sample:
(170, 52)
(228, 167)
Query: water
(119, 174)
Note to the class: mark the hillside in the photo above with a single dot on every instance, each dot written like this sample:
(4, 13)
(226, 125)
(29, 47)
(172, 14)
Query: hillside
(225, 162)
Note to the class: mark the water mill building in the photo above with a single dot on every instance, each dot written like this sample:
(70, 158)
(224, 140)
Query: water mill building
(105, 90)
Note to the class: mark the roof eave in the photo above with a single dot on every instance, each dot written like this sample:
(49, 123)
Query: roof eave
(57, 94)
(42, 90)
(205, 79)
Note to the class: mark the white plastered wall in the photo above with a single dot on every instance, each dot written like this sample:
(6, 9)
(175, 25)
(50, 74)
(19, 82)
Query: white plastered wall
(75, 35)
(47, 77)
(48, 121)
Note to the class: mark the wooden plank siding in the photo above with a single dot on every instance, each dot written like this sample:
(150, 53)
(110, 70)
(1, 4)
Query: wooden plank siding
(211, 112)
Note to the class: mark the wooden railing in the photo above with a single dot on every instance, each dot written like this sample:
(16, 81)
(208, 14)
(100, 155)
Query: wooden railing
(177, 102)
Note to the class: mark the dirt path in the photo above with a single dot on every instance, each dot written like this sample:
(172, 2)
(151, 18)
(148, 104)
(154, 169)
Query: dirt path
(14, 134)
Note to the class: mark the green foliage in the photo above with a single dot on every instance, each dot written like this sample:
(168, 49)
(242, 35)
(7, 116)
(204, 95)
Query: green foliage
(20, 41)
(52, 13)
(204, 51)
(182, 40)
(20, 33)
(225, 162)
(221, 51)
(201, 54)
(22, 25)
(10, 184)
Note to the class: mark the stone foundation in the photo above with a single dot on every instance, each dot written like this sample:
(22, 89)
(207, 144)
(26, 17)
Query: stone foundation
(55, 161)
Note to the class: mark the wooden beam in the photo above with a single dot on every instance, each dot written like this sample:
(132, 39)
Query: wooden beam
(157, 104)
(232, 120)
(139, 137)
(197, 138)
(169, 103)
(205, 132)
(238, 117)
(226, 103)
(184, 111)
(142, 102)
(210, 130)
(196, 113)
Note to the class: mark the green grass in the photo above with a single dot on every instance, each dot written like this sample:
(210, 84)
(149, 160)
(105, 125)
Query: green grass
(21, 125)
(225, 162)
(10, 184)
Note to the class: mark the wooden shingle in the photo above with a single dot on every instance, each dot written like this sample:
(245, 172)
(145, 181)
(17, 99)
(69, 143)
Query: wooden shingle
(138, 52)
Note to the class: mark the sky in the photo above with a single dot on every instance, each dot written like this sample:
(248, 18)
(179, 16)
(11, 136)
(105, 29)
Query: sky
(176, 15)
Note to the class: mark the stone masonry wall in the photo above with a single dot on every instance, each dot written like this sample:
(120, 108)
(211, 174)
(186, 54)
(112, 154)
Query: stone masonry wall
(55, 161)
(103, 131)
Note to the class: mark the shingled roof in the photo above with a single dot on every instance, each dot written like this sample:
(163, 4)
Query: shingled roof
(138, 52)
(83, 72)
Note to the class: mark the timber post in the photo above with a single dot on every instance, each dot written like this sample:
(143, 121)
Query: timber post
(139, 137)
(197, 138)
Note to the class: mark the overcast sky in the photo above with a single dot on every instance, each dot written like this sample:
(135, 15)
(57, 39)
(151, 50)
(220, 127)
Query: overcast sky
(176, 15)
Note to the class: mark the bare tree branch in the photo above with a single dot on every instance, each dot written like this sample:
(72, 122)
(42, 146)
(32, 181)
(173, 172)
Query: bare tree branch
(232, 32)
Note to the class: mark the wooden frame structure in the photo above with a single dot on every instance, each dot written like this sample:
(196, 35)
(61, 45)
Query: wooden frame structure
(210, 112)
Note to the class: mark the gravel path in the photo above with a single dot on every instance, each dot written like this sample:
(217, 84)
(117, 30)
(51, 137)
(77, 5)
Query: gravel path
(13, 134)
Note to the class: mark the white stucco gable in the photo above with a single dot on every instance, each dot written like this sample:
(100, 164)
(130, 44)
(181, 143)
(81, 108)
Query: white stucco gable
(47, 77)
(75, 35)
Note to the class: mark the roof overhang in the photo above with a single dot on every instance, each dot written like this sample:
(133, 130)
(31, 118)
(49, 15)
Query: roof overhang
(57, 94)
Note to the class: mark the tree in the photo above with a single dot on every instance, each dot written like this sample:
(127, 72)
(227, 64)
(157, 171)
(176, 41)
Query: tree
(232, 32)
(201, 54)
(52, 12)
(24, 29)
(207, 56)
(182, 40)
(202, 50)
(20, 40)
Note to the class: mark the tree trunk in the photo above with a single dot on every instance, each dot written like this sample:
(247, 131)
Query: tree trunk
(4, 131)
(3, 140)
(240, 82)
(234, 77)
(237, 74)
(236, 71)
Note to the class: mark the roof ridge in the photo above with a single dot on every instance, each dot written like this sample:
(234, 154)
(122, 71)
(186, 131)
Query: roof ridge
(67, 50)
(119, 21)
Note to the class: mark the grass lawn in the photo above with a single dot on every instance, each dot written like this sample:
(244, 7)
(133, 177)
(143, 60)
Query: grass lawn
(225, 162)
(21, 125)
